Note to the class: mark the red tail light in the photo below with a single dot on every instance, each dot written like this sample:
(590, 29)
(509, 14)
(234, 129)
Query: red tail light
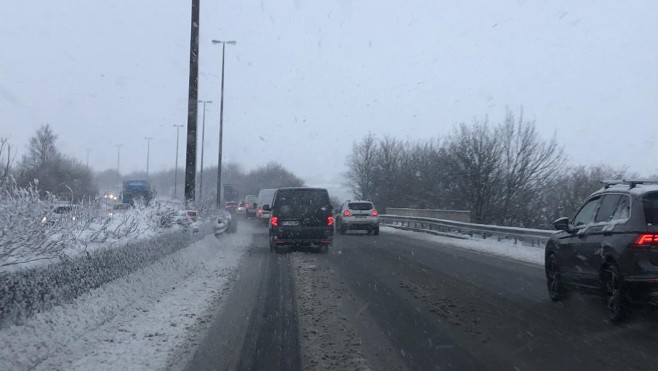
(646, 240)
(246, 205)
(347, 213)
(259, 211)
(330, 221)
(275, 221)
(375, 213)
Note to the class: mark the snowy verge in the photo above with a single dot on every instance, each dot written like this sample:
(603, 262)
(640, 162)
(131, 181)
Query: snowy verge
(29, 291)
(139, 321)
(504, 248)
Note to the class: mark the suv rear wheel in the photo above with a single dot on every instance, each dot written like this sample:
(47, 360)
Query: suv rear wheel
(555, 287)
(615, 298)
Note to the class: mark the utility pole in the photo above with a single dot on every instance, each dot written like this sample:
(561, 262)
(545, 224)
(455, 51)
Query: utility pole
(88, 150)
(119, 162)
(203, 141)
(221, 124)
(148, 154)
(190, 154)
(176, 168)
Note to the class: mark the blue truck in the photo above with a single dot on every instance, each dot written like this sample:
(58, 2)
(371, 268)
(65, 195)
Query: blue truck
(136, 191)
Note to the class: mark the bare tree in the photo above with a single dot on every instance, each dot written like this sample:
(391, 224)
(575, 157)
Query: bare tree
(6, 162)
(361, 167)
(527, 162)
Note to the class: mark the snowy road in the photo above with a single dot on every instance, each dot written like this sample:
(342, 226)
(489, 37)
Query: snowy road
(398, 301)
(405, 301)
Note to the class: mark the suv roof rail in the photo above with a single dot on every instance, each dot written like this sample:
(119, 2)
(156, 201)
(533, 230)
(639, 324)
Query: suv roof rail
(630, 182)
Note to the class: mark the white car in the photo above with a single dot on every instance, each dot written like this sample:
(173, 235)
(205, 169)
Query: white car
(265, 197)
(357, 215)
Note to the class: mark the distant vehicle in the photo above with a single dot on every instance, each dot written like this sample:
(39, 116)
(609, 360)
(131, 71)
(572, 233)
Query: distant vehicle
(610, 248)
(118, 208)
(62, 212)
(265, 198)
(301, 217)
(230, 205)
(225, 223)
(136, 190)
(250, 205)
(357, 215)
(240, 210)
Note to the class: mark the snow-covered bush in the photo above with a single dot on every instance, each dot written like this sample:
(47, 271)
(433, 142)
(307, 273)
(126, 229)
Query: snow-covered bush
(31, 231)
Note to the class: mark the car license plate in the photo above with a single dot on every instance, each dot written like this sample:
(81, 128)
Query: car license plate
(290, 222)
(360, 216)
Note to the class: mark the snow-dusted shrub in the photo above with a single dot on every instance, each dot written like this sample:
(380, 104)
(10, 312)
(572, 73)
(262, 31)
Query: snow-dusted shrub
(29, 291)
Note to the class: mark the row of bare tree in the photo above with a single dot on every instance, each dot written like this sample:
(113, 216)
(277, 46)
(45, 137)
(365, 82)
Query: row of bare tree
(504, 173)
(43, 164)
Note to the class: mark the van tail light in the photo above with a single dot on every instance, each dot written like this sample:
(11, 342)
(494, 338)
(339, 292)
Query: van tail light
(646, 240)
(375, 213)
(275, 221)
(330, 221)
(347, 213)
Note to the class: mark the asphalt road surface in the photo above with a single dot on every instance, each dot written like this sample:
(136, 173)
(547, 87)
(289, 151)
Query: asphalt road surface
(390, 302)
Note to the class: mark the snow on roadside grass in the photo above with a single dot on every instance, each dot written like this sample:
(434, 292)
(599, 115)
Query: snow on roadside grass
(505, 248)
(140, 321)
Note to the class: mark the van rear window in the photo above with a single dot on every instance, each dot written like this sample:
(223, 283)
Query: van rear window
(651, 208)
(297, 202)
(359, 206)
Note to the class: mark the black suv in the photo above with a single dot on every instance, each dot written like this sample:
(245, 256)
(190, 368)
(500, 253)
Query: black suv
(301, 217)
(610, 248)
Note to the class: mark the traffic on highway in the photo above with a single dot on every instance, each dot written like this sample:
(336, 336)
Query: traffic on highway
(329, 185)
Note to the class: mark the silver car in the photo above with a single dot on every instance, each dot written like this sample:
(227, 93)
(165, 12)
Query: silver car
(357, 215)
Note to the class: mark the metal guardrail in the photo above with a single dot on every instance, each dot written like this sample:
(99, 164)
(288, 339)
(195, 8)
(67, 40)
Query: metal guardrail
(533, 237)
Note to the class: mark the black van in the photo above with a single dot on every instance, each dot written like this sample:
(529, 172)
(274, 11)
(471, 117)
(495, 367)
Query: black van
(301, 217)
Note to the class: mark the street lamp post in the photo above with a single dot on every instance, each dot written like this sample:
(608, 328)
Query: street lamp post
(119, 161)
(203, 140)
(176, 167)
(148, 154)
(221, 124)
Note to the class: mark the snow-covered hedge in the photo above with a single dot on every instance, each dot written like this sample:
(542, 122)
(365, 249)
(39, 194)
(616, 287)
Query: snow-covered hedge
(31, 233)
(26, 292)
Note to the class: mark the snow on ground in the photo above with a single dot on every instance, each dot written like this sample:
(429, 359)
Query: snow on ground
(149, 319)
(505, 248)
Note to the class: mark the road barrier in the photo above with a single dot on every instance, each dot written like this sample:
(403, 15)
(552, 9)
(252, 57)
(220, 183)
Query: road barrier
(450, 228)
(456, 215)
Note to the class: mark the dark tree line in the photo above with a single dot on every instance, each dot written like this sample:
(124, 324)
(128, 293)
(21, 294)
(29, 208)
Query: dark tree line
(503, 173)
(45, 167)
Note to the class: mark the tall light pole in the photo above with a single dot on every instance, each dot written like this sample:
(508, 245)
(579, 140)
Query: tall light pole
(148, 154)
(221, 124)
(119, 161)
(203, 140)
(192, 105)
(176, 168)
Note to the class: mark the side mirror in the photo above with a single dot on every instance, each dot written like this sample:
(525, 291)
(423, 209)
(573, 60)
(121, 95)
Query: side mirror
(562, 224)
(266, 207)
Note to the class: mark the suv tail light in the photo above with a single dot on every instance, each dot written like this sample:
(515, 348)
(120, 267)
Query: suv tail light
(375, 213)
(646, 240)
(347, 213)
(275, 221)
(330, 221)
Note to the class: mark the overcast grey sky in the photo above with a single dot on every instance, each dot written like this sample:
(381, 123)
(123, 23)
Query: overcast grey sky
(307, 78)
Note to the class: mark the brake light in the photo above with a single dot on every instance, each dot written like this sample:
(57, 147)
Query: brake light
(347, 213)
(246, 205)
(259, 211)
(275, 221)
(646, 240)
(375, 213)
(330, 221)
